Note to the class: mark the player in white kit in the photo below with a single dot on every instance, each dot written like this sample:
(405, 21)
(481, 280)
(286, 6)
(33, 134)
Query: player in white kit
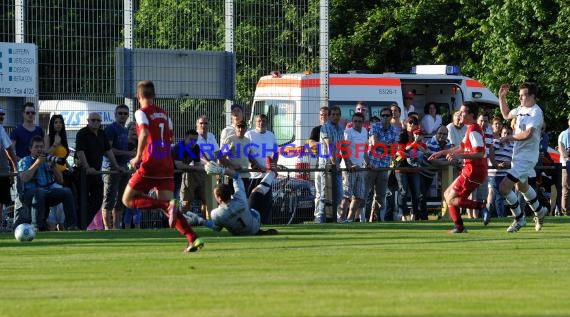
(529, 120)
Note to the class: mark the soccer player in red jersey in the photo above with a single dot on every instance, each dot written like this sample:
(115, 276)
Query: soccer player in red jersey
(155, 167)
(472, 151)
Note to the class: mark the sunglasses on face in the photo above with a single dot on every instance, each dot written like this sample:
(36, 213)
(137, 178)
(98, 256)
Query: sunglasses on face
(122, 113)
(30, 112)
(386, 115)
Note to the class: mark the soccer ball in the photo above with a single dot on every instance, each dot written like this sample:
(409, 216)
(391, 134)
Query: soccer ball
(25, 232)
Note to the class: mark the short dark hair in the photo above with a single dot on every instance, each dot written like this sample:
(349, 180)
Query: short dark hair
(531, 86)
(121, 106)
(224, 191)
(387, 109)
(472, 106)
(28, 104)
(358, 115)
(335, 108)
(36, 139)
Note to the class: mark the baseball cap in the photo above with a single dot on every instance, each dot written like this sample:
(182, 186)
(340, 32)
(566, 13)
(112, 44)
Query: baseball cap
(409, 94)
(2, 110)
(235, 105)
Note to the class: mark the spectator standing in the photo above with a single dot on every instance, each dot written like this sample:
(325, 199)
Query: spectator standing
(363, 109)
(396, 122)
(408, 105)
(23, 133)
(314, 143)
(188, 161)
(114, 183)
(382, 135)
(331, 134)
(354, 179)
(236, 115)
(456, 129)
(91, 144)
(36, 188)
(432, 119)
(408, 180)
(132, 216)
(438, 142)
(472, 151)
(239, 152)
(8, 164)
(267, 150)
(56, 144)
(498, 170)
(529, 121)
(564, 150)
(154, 169)
(209, 151)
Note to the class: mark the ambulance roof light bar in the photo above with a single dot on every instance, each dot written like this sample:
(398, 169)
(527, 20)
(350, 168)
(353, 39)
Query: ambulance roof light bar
(436, 70)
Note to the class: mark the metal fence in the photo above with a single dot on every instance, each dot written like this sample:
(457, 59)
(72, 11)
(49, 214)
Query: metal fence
(77, 42)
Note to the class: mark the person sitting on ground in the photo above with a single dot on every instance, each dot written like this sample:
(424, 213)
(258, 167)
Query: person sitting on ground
(233, 212)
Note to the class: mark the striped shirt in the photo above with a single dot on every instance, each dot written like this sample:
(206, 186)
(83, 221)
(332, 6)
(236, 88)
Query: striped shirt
(334, 133)
(503, 153)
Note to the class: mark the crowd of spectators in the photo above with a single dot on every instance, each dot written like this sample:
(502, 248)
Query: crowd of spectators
(370, 187)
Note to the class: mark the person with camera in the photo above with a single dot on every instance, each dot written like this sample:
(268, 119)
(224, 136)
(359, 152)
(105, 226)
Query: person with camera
(37, 189)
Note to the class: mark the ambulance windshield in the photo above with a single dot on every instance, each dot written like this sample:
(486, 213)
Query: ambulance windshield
(281, 118)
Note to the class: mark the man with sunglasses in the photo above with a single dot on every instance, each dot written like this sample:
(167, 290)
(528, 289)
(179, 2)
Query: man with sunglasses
(24, 132)
(115, 183)
(382, 136)
(91, 144)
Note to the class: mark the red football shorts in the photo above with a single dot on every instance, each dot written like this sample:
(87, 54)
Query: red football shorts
(464, 185)
(145, 184)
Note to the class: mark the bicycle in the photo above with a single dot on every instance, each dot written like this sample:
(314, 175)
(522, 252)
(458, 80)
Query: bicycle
(285, 196)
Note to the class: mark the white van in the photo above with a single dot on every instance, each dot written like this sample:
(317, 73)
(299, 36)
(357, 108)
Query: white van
(292, 101)
(75, 113)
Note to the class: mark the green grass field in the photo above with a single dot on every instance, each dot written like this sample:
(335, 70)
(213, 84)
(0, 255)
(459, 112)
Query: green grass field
(389, 269)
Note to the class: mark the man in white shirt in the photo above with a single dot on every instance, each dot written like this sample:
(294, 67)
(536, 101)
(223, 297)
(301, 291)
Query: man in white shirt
(267, 151)
(528, 124)
(456, 130)
(354, 179)
(237, 116)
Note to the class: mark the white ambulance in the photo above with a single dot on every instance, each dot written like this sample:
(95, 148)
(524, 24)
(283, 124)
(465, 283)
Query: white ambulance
(292, 101)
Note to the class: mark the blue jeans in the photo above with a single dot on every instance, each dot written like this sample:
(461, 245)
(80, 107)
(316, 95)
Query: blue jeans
(38, 199)
(498, 199)
(337, 195)
(408, 183)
